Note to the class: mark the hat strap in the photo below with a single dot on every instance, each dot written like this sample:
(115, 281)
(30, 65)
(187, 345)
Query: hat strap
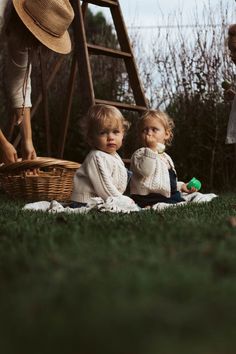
(40, 24)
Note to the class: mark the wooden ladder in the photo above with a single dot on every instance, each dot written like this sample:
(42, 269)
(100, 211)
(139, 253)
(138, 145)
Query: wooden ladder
(81, 62)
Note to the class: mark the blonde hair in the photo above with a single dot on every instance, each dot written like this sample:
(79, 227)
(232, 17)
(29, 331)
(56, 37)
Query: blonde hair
(163, 118)
(99, 115)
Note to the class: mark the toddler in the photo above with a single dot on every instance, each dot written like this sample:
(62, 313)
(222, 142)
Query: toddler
(154, 177)
(103, 173)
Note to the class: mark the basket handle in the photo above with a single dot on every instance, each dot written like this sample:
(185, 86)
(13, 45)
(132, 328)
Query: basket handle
(37, 163)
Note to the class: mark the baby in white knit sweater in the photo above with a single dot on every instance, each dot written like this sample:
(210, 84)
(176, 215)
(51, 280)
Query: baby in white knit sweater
(154, 177)
(102, 173)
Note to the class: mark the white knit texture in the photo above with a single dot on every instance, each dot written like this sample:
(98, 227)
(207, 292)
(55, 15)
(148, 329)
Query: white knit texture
(101, 175)
(150, 172)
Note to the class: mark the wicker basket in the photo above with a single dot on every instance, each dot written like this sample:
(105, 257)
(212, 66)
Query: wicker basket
(40, 179)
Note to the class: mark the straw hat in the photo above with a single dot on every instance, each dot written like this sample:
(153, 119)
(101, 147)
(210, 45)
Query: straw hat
(48, 20)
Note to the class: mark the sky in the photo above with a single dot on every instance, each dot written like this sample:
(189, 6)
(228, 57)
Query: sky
(159, 12)
(149, 21)
(144, 17)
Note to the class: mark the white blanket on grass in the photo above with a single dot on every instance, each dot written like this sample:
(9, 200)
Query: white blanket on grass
(122, 204)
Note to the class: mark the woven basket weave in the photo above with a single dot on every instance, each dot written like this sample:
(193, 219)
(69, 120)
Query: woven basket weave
(40, 179)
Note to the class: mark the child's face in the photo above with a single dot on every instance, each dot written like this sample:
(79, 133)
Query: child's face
(109, 137)
(232, 48)
(153, 132)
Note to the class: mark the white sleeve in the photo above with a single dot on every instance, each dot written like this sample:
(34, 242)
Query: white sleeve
(100, 175)
(18, 72)
(3, 6)
(231, 127)
(143, 162)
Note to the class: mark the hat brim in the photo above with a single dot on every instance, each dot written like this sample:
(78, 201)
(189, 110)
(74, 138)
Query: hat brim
(57, 44)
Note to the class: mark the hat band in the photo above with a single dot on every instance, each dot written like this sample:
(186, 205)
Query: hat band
(40, 24)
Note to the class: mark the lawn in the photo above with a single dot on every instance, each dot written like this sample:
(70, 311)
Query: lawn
(144, 283)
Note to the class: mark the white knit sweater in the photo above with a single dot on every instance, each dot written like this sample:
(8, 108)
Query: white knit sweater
(100, 175)
(150, 173)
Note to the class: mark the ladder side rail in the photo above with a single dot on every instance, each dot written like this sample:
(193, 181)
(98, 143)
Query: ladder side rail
(69, 98)
(84, 68)
(130, 63)
(65, 121)
(45, 102)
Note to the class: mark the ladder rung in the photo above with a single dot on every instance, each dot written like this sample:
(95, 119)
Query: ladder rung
(129, 107)
(99, 50)
(102, 3)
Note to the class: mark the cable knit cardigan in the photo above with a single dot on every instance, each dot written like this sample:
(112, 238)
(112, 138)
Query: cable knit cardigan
(100, 175)
(150, 173)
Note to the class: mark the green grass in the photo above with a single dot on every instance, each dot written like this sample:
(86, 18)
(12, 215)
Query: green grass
(142, 283)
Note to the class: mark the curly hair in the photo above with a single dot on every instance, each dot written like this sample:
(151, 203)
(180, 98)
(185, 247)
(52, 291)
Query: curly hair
(99, 115)
(163, 117)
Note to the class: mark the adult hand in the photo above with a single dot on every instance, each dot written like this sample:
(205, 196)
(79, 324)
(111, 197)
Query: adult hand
(8, 153)
(27, 147)
(27, 150)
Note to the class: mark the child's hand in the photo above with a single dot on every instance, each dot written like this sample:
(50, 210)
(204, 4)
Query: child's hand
(185, 189)
(229, 95)
(150, 142)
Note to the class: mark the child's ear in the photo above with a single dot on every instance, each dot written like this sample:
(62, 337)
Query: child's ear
(167, 136)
